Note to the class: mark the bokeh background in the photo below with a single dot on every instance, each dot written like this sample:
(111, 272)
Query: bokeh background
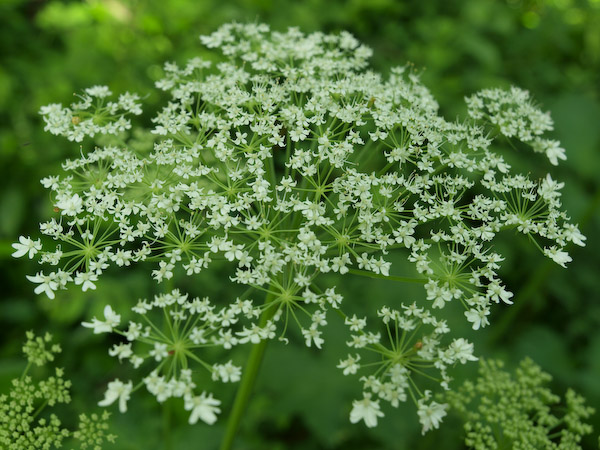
(52, 49)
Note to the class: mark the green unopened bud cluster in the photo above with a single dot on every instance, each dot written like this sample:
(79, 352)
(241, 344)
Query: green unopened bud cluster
(517, 410)
(25, 423)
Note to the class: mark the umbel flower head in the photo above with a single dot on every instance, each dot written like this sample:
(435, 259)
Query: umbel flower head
(172, 331)
(289, 158)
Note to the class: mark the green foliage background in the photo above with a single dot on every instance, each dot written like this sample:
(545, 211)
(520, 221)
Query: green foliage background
(51, 49)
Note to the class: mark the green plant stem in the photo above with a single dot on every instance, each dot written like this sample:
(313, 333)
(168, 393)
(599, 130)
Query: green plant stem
(167, 425)
(26, 370)
(40, 409)
(248, 379)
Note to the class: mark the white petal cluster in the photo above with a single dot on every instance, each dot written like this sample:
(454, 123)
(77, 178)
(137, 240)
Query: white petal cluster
(91, 115)
(515, 115)
(173, 335)
(306, 161)
(412, 346)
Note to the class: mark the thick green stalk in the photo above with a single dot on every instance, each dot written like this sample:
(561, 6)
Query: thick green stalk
(248, 379)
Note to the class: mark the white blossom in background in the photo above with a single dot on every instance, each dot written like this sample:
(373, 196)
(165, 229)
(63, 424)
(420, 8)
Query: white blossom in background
(91, 115)
(288, 158)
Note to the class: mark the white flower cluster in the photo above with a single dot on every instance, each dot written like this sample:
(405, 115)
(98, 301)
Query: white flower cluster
(91, 116)
(515, 115)
(414, 347)
(173, 330)
(289, 159)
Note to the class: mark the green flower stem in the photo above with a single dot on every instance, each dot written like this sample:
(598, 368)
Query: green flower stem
(248, 379)
(39, 410)
(26, 370)
(167, 425)
(364, 273)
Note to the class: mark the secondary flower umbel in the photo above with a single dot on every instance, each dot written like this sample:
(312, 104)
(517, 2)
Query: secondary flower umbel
(173, 333)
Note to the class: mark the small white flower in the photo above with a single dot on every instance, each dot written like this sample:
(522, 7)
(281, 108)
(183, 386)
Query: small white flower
(367, 410)
(121, 351)
(227, 372)
(136, 361)
(197, 336)
(554, 152)
(134, 331)
(159, 351)
(86, 279)
(558, 256)
(70, 205)
(312, 335)
(430, 415)
(549, 188)
(142, 307)
(478, 317)
(47, 283)
(252, 335)
(117, 390)
(112, 320)
(573, 234)
(98, 91)
(462, 350)
(203, 407)
(356, 324)
(497, 292)
(26, 245)
(349, 365)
